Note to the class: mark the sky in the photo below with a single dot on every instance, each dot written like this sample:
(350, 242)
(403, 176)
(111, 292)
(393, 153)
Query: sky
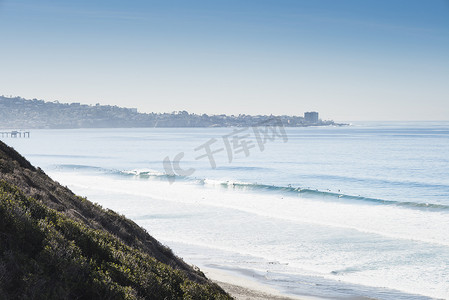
(350, 60)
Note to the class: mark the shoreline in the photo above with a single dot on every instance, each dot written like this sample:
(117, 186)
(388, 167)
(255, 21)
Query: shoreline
(244, 288)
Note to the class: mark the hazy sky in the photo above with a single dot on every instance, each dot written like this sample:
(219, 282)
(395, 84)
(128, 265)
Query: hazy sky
(349, 60)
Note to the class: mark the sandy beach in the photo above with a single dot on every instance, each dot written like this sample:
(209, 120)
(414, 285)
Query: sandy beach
(243, 293)
(243, 288)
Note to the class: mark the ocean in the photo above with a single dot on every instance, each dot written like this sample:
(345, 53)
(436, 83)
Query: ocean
(332, 212)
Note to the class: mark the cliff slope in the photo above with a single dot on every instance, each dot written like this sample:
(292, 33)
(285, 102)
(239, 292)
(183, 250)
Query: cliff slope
(56, 245)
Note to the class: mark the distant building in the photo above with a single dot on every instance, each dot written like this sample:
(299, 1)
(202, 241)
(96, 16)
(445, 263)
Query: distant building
(311, 117)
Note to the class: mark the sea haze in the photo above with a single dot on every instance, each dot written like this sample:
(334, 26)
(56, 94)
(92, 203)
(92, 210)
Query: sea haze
(335, 212)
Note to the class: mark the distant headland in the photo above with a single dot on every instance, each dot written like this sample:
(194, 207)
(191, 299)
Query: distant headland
(17, 112)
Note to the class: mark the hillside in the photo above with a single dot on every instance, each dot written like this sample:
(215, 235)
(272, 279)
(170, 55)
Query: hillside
(56, 245)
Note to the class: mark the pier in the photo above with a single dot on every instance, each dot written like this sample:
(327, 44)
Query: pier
(15, 134)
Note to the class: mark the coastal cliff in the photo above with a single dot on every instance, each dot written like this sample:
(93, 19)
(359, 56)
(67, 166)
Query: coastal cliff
(57, 245)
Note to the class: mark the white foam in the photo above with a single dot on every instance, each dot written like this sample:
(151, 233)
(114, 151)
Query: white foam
(347, 221)
(139, 172)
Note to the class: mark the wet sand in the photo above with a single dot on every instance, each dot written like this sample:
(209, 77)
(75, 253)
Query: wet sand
(242, 288)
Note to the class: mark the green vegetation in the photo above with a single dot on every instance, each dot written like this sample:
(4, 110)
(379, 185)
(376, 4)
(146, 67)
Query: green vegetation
(51, 254)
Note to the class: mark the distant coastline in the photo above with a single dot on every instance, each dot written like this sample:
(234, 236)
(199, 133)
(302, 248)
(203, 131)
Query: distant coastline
(17, 112)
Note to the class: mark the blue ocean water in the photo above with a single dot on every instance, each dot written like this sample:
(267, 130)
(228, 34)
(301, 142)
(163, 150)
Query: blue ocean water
(335, 212)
